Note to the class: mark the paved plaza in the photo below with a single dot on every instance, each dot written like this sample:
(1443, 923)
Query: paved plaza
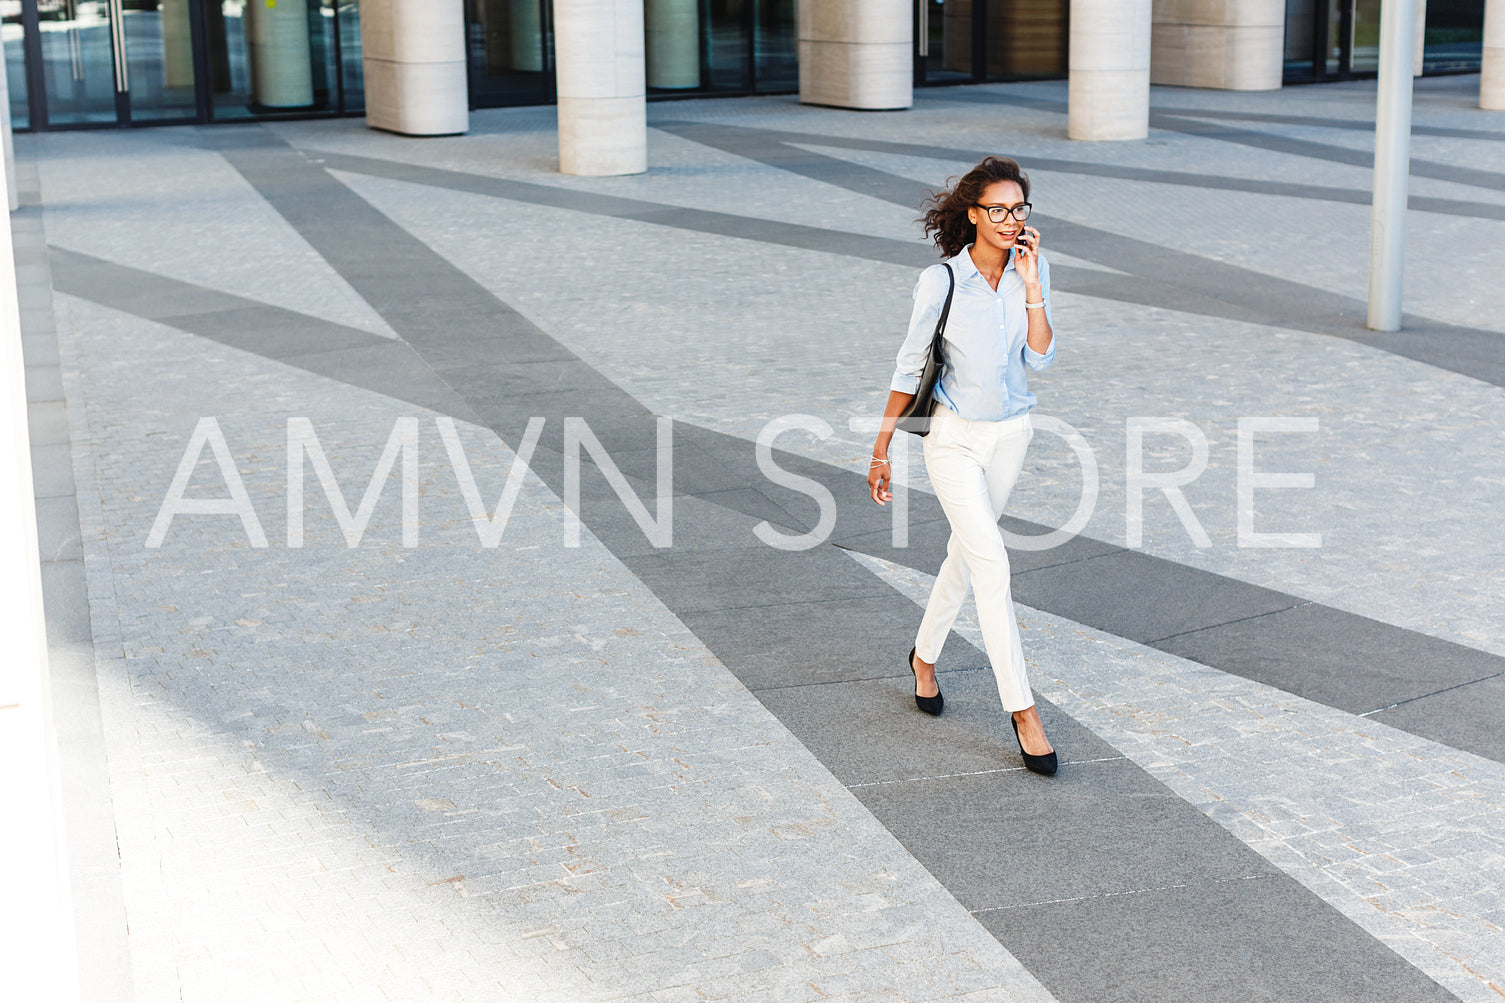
(461, 582)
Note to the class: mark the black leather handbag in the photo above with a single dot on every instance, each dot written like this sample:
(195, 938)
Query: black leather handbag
(916, 417)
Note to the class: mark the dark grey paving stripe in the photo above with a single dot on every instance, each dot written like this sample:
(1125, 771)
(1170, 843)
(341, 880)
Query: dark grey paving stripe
(698, 220)
(1214, 182)
(1330, 656)
(318, 346)
(1169, 121)
(760, 576)
(1349, 124)
(1492, 180)
(1158, 276)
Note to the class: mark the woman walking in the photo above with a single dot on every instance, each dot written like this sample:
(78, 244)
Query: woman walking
(997, 326)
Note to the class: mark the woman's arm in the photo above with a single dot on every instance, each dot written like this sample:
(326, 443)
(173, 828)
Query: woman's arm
(879, 475)
(1027, 264)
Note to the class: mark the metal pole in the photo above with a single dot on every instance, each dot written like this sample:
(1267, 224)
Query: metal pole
(1392, 163)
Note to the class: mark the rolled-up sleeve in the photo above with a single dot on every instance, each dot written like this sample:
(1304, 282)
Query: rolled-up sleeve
(1036, 360)
(929, 295)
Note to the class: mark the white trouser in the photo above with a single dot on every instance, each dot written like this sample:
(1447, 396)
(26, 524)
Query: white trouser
(973, 466)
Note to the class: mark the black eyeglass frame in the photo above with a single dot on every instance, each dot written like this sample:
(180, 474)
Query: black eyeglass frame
(1007, 210)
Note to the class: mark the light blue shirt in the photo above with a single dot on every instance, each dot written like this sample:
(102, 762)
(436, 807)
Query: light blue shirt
(984, 345)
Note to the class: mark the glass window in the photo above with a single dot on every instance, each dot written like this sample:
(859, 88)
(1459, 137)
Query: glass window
(12, 36)
(270, 56)
(159, 59)
(1298, 38)
(348, 26)
(78, 70)
(1364, 46)
(726, 56)
(671, 44)
(1026, 38)
(510, 52)
(1454, 36)
(775, 56)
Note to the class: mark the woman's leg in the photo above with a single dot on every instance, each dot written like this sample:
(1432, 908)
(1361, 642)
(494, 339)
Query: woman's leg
(972, 466)
(1002, 473)
(946, 451)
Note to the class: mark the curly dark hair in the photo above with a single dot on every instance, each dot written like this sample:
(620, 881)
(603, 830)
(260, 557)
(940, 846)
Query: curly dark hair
(945, 215)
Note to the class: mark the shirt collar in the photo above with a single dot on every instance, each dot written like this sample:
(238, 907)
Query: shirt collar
(967, 268)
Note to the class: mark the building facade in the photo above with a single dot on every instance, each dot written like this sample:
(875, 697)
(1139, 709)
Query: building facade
(91, 63)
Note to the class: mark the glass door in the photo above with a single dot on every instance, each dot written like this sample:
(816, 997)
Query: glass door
(156, 37)
(123, 62)
(270, 57)
(75, 42)
(973, 41)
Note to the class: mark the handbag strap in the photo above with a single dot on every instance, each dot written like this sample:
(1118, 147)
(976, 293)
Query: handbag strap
(940, 324)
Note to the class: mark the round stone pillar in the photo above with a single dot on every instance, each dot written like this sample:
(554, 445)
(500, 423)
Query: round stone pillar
(1492, 74)
(413, 56)
(857, 53)
(598, 68)
(277, 35)
(1109, 70)
(1235, 46)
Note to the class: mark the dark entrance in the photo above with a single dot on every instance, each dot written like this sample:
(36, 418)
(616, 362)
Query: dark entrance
(81, 63)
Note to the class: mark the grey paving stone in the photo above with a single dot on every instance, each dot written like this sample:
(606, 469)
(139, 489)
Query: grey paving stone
(43, 384)
(1466, 717)
(57, 528)
(522, 768)
(52, 470)
(869, 732)
(65, 598)
(39, 348)
(47, 422)
(1045, 841)
(801, 645)
(1135, 946)
(751, 578)
(1336, 658)
(1133, 595)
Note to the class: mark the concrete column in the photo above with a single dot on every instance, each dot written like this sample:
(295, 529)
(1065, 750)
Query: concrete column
(277, 36)
(1109, 70)
(525, 26)
(598, 67)
(672, 34)
(856, 53)
(37, 953)
(413, 55)
(1234, 45)
(1492, 75)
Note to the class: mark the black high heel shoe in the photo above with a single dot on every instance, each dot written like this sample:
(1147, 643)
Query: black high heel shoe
(1045, 764)
(930, 705)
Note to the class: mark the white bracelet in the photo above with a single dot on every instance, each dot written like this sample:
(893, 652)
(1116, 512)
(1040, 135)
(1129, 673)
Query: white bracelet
(875, 462)
(1035, 306)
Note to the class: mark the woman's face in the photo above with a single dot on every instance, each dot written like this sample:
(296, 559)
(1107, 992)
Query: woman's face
(1000, 236)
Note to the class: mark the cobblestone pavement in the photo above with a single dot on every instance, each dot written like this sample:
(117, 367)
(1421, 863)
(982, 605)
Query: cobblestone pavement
(340, 742)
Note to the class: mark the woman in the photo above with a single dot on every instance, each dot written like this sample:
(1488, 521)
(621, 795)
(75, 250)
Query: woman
(999, 324)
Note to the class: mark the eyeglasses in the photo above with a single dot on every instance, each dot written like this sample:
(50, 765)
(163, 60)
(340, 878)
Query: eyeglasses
(998, 213)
